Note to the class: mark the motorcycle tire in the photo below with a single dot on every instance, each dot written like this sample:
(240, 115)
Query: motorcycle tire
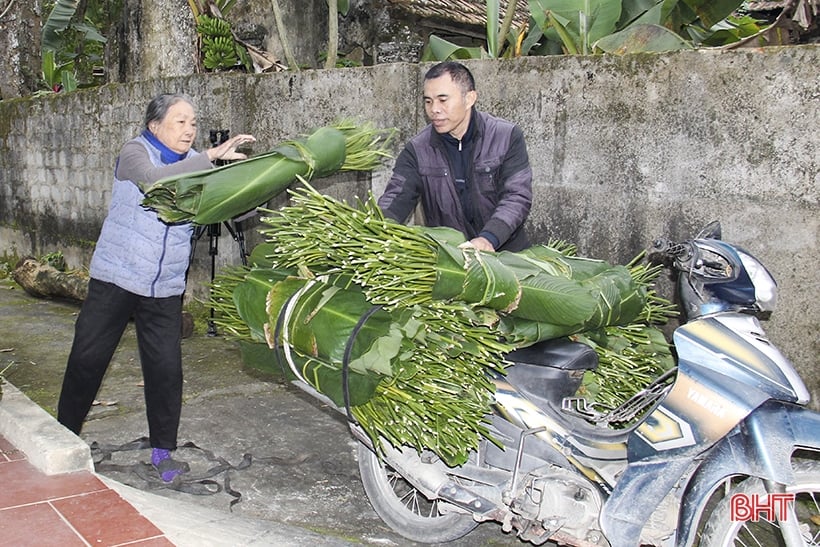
(405, 509)
(722, 531)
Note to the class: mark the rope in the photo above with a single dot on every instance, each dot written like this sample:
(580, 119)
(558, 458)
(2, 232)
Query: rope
(346, 358)
(198, 484)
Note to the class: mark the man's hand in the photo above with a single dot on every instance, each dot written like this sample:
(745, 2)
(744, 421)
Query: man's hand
(480, 244)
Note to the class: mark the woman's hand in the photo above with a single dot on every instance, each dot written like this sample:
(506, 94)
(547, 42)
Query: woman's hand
(227, 150)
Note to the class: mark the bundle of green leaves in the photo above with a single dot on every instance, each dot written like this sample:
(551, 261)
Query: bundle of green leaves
(217, 195)
(404, 325)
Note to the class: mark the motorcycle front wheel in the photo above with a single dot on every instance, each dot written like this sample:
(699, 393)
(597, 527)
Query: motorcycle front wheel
(724, 529)
(404, 508)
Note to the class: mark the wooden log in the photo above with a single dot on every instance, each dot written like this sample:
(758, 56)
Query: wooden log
(45, 281)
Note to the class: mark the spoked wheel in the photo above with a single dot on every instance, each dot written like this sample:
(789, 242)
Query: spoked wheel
(723, 531)
(405, 509)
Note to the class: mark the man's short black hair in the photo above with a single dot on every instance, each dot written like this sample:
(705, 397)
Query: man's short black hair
(460, 74)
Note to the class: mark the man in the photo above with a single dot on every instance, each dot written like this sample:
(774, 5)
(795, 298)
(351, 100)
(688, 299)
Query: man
(470, 170)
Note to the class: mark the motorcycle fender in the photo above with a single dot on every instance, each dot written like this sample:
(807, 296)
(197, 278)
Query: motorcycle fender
(761, 447)
(622, 519)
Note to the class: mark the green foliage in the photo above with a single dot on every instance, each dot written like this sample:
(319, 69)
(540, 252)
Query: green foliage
(637, 26)
(220, 51)
(8, 261)
(341, 61)
(198, 7)
(420, 320)
(58, 77)
(71, 49)
(499, 34)
(224, 6)
(577, 24)
(581, 27)
(439, 49)
(54, 259)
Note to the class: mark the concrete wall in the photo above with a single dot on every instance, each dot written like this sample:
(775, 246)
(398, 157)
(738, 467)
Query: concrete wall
(624, 149)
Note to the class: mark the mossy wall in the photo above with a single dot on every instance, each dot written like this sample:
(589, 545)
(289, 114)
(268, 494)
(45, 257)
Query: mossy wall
(624, 149)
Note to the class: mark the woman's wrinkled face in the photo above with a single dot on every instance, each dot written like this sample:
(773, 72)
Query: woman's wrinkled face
(177, 130)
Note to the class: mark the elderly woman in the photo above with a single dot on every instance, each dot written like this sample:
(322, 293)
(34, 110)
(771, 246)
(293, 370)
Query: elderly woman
(138, 269)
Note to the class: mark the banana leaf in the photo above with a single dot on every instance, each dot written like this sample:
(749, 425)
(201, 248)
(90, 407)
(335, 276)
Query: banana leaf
(327, 379)
(319, 319)
(250, 297)
(619, 299)
(490, 283)
(441, 331)
(555, 300)
(525, 332)
(262, 255)
(217, 195)
(643, 39)
(555, 262)
(450, 273)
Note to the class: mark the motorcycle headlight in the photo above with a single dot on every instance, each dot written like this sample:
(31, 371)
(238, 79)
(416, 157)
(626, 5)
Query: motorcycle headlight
(764, 284)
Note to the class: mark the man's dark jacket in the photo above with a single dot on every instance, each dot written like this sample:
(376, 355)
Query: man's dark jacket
(499, 187)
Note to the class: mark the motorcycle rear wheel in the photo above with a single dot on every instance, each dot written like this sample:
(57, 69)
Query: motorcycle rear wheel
(404, 508)
(722, 531)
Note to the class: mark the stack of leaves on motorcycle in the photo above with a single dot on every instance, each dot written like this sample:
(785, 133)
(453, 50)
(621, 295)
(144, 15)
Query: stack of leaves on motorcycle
(400, 324)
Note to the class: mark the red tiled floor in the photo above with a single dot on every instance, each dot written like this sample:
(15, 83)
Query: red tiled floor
(8, 452)
(23, 484)
(104, 518)
(37, 524)
(65, 510)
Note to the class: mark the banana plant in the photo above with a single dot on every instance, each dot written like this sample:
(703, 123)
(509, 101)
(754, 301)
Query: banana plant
(58, 77)
(59, 21)
(59, 61)
(335, 7)
(638, 26)
(498, 35)
(576, 24)
(219, 47)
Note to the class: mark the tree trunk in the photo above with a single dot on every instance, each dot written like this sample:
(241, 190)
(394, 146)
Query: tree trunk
(332, 34)
(157, 39)
(20, 62)
(283, 36)
(45, 281)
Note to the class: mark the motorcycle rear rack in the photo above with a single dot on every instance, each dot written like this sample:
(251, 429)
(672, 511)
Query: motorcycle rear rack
(636, 406)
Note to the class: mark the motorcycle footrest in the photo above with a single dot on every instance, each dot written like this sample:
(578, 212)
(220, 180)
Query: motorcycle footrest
(481, 508)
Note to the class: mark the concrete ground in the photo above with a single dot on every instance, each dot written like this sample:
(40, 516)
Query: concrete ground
(302, 475)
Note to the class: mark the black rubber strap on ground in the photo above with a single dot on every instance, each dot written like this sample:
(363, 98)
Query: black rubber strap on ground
(200, 484)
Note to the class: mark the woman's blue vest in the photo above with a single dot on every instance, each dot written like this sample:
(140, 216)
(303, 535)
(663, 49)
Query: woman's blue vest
(136, 250)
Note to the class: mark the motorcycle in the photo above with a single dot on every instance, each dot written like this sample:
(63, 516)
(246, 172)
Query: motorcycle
(722, 450)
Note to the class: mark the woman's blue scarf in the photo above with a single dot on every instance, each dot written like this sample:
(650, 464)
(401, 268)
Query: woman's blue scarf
(167, 155)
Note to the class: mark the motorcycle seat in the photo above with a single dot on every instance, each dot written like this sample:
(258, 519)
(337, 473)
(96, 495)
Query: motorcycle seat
(560, 353)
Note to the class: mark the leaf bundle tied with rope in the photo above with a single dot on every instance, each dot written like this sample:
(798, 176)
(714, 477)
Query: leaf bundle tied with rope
(419, 367)
(217, 195)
